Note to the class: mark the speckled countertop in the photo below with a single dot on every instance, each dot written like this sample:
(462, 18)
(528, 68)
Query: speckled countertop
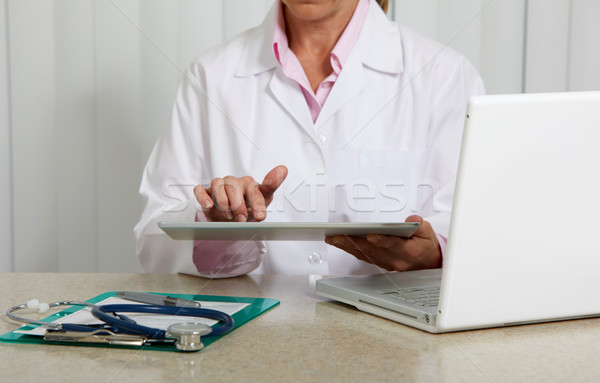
(305, 338)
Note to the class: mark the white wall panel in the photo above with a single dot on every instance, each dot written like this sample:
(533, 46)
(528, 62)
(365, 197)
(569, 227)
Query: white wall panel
(239, 15)
(160, 69)
(478, 30)
(118, 121)
(502, 48)
(547, 49)
(6, 263)
(420, 15)
(584, 63)
(34, 136)
(200, 26)
(459, 26)
(75, 135)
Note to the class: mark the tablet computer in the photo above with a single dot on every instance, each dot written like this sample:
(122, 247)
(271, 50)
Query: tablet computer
(282, 231)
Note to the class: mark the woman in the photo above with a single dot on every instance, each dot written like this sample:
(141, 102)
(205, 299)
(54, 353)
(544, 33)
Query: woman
(365, 115)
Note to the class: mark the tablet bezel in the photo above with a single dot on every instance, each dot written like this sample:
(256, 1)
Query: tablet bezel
(282, 231)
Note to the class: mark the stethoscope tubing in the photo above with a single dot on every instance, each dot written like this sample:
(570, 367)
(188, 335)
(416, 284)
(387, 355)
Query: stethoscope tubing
(122, 324)
(129, 326)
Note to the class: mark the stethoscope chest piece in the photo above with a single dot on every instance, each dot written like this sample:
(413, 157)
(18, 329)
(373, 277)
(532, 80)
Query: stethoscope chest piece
(188, 335)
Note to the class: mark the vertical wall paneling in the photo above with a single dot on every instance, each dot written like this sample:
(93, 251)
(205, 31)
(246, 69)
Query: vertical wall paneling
(6, 257)
(459, 26)
(34, 135)
(118, 122)
(239, 15)
(159, 71)
(584, 64)
(420, 15)
(501, 51)
(547, 49)
(75, 135)
(456, 23)
(477, 29)
(200, 26)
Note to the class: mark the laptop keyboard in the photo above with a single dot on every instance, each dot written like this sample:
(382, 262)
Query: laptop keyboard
(421, 296)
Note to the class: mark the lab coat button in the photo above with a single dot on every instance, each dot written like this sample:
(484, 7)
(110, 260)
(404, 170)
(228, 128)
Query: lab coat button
(315, 258)
(322, 138)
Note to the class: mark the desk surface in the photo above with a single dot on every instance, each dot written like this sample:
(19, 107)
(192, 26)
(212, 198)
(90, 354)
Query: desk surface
(306, 338)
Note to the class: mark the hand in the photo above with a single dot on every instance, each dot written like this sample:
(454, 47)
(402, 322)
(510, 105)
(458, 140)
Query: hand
(421, 251)
(240, 198)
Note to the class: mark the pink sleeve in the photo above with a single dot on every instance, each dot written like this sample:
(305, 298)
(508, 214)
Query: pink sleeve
(222, 259)
(443, 243)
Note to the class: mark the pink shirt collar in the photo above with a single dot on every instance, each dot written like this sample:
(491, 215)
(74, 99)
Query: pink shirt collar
(339, 56)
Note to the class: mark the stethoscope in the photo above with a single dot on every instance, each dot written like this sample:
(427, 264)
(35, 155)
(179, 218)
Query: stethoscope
(119, 329)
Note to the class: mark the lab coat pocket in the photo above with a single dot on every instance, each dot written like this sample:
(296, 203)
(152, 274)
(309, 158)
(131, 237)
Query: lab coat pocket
(387, 184)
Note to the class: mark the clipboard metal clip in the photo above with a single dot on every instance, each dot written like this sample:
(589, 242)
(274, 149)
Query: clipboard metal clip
(98, 336)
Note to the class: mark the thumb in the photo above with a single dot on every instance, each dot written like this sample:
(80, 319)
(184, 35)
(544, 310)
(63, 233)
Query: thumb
(273, 180)
(425, 230)
(414, 218)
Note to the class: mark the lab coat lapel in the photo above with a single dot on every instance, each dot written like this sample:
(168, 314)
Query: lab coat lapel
(288, 94)
(378, 48)
(258, 57)
(349, 84)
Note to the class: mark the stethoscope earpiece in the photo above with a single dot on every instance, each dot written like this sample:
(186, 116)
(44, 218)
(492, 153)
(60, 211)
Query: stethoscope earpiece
(34, 304)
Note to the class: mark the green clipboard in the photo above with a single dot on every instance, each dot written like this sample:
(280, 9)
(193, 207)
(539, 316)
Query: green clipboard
(256, 306)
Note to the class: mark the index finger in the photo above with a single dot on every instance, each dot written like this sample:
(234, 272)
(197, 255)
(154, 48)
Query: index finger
(272, 181)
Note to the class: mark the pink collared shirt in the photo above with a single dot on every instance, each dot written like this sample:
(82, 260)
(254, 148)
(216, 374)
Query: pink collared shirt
(339, 55)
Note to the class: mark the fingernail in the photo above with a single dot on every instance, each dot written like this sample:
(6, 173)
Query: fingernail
(207, 204)
(259, 214)
(241, 218)
(373, 238)
(228, 214)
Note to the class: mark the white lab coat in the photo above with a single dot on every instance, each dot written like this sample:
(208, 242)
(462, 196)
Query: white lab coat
(385, 146)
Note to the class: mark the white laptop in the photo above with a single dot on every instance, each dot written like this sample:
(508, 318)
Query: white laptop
(524, 242)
